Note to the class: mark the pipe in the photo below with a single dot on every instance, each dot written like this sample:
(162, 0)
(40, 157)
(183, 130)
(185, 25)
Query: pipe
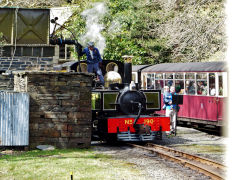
(127, 76)
(60, 41)
(139, 112)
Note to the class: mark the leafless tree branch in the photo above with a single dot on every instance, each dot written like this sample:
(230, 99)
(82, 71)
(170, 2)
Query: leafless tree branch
(195, 32)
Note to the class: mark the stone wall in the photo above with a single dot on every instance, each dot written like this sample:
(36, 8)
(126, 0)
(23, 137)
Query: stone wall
(26, 58)
(6, 82)
(60, 107)
(31, 57)
(22, 63)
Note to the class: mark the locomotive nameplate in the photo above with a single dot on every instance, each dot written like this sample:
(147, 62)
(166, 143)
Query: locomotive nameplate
(128, 121)
(124, 124)
(146, 121)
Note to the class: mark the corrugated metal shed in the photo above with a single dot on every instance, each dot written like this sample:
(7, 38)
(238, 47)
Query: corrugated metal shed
(219, 66)
(14, 119)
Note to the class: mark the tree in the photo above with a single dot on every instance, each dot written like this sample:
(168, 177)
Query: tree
(153, 31)
(32, 3)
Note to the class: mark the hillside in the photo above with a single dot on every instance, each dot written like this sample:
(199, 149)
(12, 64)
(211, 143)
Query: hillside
(153, 31)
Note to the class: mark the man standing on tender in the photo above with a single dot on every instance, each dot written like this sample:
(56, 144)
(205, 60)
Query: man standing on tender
(93, 60)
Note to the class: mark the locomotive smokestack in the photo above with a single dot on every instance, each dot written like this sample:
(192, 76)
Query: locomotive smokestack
(127, 76)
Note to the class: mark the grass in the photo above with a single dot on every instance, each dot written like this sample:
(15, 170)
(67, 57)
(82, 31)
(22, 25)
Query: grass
(203, 148)
(58, 164)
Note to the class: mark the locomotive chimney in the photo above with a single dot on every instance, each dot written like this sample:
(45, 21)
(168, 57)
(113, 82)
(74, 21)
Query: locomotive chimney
(127, 76)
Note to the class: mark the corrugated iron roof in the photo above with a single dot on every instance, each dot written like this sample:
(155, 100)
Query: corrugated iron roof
(219, 66)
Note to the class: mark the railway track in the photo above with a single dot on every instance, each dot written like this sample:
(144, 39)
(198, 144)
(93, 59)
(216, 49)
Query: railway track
(206, 166)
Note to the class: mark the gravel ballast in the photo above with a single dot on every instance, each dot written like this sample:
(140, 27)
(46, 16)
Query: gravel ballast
(152, 167)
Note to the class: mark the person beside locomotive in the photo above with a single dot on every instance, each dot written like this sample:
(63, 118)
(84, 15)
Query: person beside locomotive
(166, 97)
(171, 109)
(93, 60)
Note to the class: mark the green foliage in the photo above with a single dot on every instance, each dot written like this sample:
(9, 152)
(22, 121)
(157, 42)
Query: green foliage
(134, 38)
(153, 31)
(160, 31)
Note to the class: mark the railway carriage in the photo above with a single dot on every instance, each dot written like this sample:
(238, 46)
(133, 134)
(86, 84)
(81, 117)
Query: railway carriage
(202, 84)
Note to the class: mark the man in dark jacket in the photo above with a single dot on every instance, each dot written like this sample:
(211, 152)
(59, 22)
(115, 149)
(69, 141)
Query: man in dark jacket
(93, 60)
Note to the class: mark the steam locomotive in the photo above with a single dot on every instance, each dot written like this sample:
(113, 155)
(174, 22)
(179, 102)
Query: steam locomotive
(121, 110)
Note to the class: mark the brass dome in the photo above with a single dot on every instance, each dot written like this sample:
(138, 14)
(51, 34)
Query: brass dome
(112, 77)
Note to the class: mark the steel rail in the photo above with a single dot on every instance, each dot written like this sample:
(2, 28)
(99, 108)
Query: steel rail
(190, 156)
(208, 167)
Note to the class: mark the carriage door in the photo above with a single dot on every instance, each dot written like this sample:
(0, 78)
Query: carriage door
(221, 91)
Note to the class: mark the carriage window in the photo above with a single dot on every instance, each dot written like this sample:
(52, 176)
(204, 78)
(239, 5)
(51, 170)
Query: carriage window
(179, 76)
(201, 75)
(169, 83)
(179, 86)
(179, 83)
(159, 83)
(190, 76)
(150, 81)
(159, 76)
(190, 86)
(212, 88)
(220, 85)
(168, 76)
(202, 87)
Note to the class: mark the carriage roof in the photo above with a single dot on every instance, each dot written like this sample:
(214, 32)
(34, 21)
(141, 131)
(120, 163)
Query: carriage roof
(219, 66)
(136, 68)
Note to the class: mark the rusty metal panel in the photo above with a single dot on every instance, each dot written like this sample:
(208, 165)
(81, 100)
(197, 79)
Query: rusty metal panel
(6, 23)
(33, 26)
(25, 26)
(14, 119)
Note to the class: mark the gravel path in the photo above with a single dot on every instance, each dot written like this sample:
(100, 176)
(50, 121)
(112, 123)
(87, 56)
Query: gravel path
(198, 143)
(152, 167)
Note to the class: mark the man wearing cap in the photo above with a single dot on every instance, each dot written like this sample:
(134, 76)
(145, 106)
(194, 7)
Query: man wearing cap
(93, 60)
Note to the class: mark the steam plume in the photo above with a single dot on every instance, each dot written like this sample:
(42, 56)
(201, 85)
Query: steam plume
(93, 27)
